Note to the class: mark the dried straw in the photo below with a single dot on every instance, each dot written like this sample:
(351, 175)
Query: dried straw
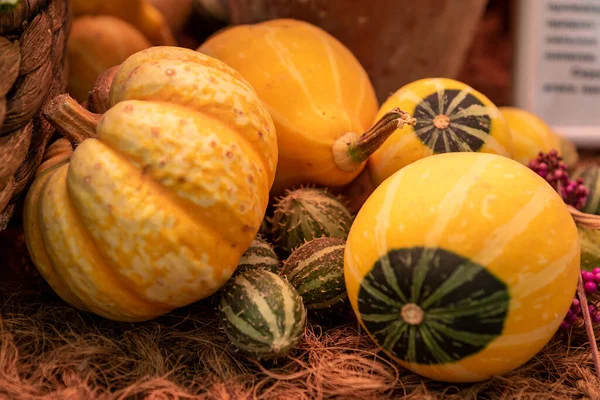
(49, 350)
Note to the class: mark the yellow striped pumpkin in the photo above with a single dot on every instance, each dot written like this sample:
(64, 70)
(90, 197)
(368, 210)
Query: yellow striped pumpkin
(462, 265)
(314, 88)
(451, 117)
(530, 134)
(155, 212)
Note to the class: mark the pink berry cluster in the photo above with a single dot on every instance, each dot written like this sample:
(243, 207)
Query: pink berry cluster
(551, 167)
(591, 282)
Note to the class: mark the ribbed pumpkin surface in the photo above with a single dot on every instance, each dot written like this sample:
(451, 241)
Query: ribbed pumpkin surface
(451, 117)
(462, 265)
(155, 213)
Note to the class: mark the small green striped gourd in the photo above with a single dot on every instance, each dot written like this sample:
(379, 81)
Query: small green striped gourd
(591, 179)
(307, 213)
(260, 254)
(262, 314)
(316, 270)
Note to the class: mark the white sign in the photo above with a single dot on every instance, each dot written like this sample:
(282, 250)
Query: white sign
(557, 65)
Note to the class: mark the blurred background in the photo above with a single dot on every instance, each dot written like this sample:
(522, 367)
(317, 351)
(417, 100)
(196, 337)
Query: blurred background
(396, 41)
(538, 55)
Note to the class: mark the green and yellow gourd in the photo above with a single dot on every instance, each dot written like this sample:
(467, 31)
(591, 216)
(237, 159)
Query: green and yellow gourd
(260, 254)
(307, 213)
(262, 314)
(462, 265)
(316, 270)
(451, 117)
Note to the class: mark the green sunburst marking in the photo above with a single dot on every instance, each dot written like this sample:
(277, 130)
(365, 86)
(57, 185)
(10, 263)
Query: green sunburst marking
(439, 308)
(451, 121)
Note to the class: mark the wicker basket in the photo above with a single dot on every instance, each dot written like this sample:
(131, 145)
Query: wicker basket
(33, 36)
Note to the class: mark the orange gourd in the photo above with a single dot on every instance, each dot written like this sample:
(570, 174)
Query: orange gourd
(318, 94)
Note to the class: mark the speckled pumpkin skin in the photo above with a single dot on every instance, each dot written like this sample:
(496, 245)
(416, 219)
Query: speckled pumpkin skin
(155, 213)
(315, 90)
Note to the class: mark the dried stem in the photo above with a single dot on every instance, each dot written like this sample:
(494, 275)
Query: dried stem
(588, 325)
(98, 98)
(371, 140)
(71, 119)
(351, 150)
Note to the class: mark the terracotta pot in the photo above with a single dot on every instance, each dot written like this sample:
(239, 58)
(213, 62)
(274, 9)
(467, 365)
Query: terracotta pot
(396, 41)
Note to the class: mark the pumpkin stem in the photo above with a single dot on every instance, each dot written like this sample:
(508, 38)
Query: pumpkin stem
(351, 150)
(71, 119)
(99, 97)
(412, 314)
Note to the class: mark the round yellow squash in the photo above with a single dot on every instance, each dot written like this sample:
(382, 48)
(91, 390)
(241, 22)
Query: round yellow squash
(568, 151)
(155, 212)
(318, 94)
(451, 117)
(530, 134)
(461, 266)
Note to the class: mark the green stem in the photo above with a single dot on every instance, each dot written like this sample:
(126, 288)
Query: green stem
(351, 150)
(8, 3)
